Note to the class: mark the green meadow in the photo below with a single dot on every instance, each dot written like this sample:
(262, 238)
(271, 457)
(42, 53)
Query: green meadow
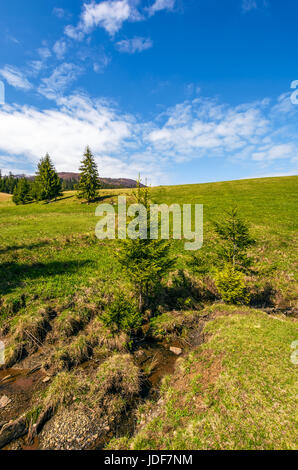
(233, 387)
(50, 250)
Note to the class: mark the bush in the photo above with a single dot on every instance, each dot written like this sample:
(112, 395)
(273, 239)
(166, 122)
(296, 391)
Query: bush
(231, 286)
(121, 315)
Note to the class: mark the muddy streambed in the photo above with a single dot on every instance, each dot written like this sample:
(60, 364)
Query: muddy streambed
(154, 359)
(18, 385)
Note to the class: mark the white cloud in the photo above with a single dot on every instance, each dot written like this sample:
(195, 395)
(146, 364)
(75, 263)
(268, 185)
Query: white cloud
(276, 152)
(159, 5)
(125, 145)
(74, 33)
(34, 67)
(133, 45)
(60, 48)
(44, 52)
(64, 133)
(59, 12)
(101, 63)
(13, 39)
(15, 78)
(56, 84)
(109, 15)
(194, 128)
(249, 5)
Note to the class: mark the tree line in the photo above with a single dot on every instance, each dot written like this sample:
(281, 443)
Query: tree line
(47, 186)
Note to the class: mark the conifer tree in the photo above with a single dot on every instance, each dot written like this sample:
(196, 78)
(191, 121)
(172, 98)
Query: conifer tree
(21, 193)
(47, 183)
(145, 261)
(235, 240)
(89, 181)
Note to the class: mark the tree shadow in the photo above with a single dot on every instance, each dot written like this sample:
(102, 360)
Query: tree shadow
(13, 274)
(100, 198)
(52, 201)
(264, 296)
(23, 247)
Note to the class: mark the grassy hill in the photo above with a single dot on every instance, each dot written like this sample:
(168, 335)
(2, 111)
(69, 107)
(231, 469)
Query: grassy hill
(234, 385)
(52, 250)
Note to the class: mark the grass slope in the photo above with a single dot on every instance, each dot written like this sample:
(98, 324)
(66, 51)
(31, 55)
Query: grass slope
(237, 389)
(50, 250)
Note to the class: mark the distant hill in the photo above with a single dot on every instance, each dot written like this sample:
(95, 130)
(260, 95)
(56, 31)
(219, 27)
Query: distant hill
(106, 182)
(110, 182)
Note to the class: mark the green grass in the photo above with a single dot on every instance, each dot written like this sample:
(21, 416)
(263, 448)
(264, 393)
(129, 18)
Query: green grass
(236, 391)
(50, 251)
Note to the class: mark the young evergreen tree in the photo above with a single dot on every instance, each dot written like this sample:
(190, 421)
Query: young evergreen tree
(145, 261)
(8, 183)
(22, 192)
(47, 183)
(235, 241)
(89, 180)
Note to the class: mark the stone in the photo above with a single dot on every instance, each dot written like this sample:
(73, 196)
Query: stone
(176, 351)
(4, 401)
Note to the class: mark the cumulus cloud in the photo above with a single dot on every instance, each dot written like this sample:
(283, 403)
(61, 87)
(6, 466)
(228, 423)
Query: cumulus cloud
(15, 77)
(125, 145)
(133, 45)
(109, 14)
(159, 5)
(63, 132)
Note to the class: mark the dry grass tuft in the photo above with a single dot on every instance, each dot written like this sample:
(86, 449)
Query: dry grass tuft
(118, 375)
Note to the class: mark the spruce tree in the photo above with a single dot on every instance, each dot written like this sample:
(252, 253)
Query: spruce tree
(21, 193)
(145, 261)
(47, 183)
(235, 240)
(89, 180)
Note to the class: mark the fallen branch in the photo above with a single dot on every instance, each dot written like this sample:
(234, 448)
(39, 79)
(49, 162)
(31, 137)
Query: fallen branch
(13, 430)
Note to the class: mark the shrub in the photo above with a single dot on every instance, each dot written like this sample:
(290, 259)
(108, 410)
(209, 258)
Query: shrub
(231, 285)
(122, 315)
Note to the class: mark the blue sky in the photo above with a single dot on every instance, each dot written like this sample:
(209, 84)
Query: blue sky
(183, 91)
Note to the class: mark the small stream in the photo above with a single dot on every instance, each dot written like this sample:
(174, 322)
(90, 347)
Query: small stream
(154, 359)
